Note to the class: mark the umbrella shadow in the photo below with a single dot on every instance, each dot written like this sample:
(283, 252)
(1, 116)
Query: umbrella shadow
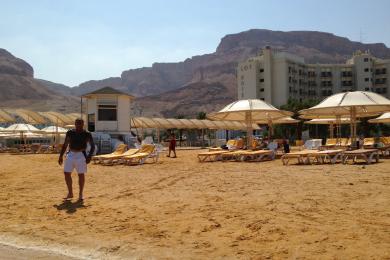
(69, 206)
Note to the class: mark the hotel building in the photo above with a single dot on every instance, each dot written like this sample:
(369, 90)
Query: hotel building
(277, 76)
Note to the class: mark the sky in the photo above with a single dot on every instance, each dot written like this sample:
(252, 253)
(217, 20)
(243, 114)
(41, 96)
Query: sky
(72, 41)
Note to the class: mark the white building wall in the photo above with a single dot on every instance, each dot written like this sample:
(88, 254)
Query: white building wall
(123, 114)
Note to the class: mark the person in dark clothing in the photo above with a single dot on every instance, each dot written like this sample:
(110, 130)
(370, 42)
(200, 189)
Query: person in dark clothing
(77, 157)
(172, 145)
(286, 146)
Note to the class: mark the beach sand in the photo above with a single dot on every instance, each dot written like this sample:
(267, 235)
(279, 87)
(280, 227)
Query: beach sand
(179, 208)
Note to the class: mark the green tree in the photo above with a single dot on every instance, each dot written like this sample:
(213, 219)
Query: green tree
(294, 106)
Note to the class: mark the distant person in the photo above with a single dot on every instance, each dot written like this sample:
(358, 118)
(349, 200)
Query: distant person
(286, 146)
(172, 145)
(76, 158)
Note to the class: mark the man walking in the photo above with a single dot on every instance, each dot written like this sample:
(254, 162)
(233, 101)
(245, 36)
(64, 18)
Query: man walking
(76, 157)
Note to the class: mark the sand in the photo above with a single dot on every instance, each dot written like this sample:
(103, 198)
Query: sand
(179, 208)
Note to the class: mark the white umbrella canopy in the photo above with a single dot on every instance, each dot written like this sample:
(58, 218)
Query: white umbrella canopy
(328, 121)
(258, 110)
(283, 120)
(353, 104)
(22, 128)
(362, 103)
(385, 118)
(249, 111)
(54, 129)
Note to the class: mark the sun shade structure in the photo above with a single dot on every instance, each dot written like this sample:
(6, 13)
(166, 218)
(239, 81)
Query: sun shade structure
(385, 118)
(5, 117)
(57, 118)
(173, 123)
(353, 104)
(28, 116)
(249, 111)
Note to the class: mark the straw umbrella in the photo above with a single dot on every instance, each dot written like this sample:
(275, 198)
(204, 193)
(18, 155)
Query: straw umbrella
(249, 111)
(353, 104)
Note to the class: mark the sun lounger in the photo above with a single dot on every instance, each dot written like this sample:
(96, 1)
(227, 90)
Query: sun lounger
(145, 152)
(118, 158)
(324, 156)
(211, 156)
(257, 156)
(368, 142)
(368, 155)
(330, 142)
(301, 156)
(232, 155)
(118, 151)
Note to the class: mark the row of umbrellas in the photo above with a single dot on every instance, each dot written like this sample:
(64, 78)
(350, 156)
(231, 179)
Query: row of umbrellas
(356, 104)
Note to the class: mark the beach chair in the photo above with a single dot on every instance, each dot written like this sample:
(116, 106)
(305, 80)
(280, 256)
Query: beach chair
(301, 156)
(147, 151)
(118, 151)
(118, 158)
(368, 155)
(368, 142)
(257, 156)
(330, 142)
(324, 156)
(232, 155)
(211, 156)
(346, 142)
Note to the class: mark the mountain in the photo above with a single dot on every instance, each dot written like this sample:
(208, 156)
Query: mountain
(205, 82)
(19, 88)
(199, 72)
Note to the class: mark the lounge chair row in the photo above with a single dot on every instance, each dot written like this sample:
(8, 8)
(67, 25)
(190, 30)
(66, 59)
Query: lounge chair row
(238, 155)
(128, 157)
(332, 156)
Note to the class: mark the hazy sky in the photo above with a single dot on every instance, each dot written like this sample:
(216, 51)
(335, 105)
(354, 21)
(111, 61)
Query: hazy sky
(71, 41)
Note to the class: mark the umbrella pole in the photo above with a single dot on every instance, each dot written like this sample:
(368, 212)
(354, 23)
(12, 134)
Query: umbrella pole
(353, 126)
(158, 135)
(248, 119)
(331, 130)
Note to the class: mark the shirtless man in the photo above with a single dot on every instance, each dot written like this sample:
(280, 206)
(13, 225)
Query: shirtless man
(76, 157)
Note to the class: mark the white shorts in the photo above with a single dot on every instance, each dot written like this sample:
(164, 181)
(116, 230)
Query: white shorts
(75, 160)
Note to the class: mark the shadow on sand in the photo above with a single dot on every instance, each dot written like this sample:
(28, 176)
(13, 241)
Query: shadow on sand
(69, 206)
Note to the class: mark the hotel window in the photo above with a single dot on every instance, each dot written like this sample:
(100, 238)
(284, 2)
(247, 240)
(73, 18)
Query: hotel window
(366, 69)
(261, 70)
(261, 80)
(366, 79)
(107, 113)
(366, 89)
(365, 59)
(262, 90)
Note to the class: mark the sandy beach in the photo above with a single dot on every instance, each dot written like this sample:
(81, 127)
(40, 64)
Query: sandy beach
(180, 208)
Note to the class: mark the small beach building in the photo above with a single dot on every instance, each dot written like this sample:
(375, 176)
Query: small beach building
(108, 110)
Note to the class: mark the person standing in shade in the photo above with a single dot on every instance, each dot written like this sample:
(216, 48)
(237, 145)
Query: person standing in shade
(172, 145)
(77, 157)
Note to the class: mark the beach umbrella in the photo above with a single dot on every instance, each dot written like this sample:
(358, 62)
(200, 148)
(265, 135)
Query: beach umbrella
(249, 111)
(353, 104)
(332, 122)
(279, 121)
(384, 118)
(55, 130)
(22, 129)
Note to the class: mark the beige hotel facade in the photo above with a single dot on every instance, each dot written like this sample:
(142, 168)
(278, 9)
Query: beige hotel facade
(276, 76)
